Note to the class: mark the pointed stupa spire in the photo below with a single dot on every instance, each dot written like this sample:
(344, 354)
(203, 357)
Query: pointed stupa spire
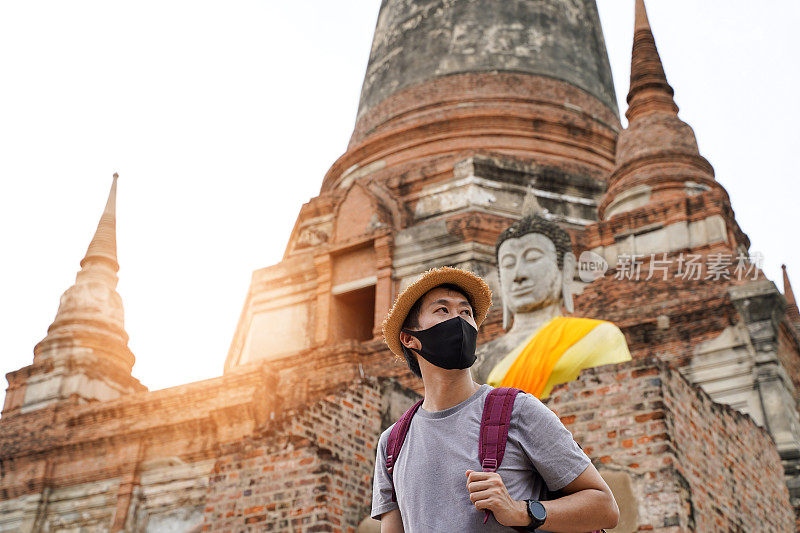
(90, 314)
(791, 304)
(657, 155)
(104, 243)
(641, 21)
(649, 90)
(85, 356)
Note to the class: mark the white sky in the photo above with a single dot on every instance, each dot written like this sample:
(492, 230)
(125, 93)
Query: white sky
(223, 117)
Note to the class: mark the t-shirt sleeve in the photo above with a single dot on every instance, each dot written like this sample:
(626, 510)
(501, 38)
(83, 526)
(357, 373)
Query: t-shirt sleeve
(548, 444)
(381, 484)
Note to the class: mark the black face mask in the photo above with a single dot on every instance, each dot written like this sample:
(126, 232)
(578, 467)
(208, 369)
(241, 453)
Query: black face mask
(449, 344)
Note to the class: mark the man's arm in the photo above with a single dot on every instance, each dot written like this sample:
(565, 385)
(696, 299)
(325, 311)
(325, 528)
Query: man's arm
(391, 522)
(559, 459)
(588, 505)
(384, 506)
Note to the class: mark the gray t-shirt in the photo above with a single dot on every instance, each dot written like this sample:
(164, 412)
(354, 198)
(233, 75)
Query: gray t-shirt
(430, 472)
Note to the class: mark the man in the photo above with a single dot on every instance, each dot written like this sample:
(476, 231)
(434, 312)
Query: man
(437, 476)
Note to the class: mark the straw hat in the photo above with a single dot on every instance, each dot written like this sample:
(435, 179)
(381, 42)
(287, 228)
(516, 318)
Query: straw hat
(476, 289)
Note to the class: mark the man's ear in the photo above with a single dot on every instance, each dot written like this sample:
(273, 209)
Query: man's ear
(409, 341)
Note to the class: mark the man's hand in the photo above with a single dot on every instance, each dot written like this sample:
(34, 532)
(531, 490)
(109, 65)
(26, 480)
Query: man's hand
(487, 491)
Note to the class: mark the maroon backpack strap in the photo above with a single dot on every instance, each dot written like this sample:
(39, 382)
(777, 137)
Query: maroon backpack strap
(494, 432)
(494, 429)
(396, 438)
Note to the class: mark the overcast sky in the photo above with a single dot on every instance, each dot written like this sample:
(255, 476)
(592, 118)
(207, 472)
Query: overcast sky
(223, 117)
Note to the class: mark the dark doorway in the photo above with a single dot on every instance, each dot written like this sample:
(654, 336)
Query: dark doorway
(353, 314)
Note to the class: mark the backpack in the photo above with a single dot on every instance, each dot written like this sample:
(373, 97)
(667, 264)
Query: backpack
(491, 441)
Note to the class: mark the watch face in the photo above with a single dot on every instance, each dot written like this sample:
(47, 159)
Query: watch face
(537, 510)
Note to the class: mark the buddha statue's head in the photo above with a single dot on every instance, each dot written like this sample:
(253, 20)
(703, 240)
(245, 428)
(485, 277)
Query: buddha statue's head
(536, 266)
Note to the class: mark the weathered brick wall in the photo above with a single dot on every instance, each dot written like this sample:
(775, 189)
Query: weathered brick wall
(731, 464)
(310, 470)
(694, 464)
(616, 413)
(266, 484)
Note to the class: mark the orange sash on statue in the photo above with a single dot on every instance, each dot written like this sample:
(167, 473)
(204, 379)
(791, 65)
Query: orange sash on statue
(532, 368)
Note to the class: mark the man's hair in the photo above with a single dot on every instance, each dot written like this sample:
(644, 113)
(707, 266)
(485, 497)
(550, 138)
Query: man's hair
(537, 224)
(412, 322)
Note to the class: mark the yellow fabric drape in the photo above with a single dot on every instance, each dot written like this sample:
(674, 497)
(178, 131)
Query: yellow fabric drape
(501, 368)
(603, 345)
(556, 353)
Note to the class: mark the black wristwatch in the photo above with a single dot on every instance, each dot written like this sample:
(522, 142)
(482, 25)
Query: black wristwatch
(537, 512)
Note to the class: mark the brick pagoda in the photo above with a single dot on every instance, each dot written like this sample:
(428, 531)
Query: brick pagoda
(467, 107)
